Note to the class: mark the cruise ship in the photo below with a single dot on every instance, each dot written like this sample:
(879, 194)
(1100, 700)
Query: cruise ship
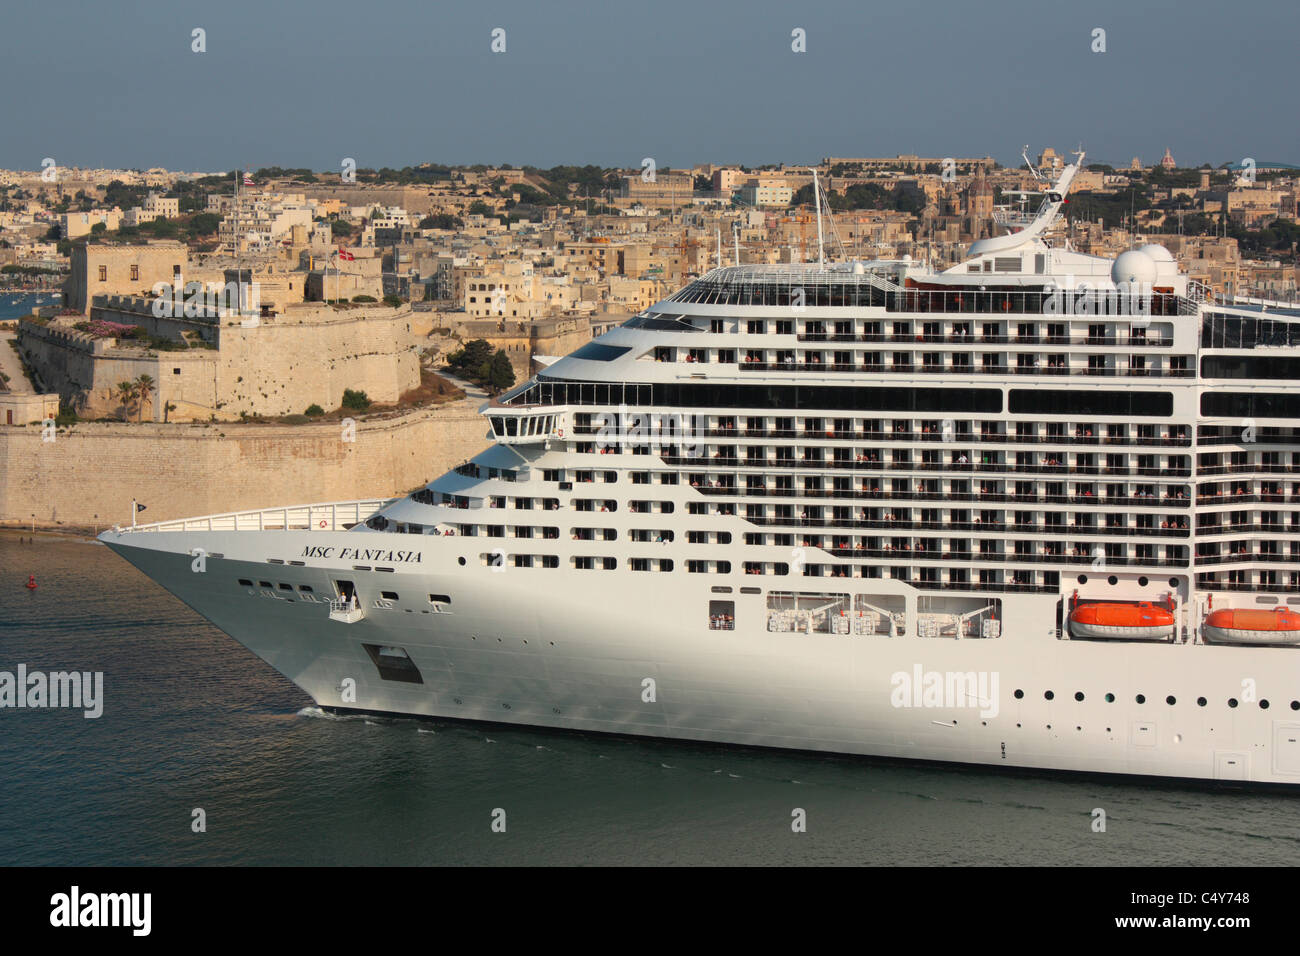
(1038, 510)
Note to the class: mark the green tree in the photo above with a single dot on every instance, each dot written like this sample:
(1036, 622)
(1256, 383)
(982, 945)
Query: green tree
(355, 400)
(314, 409)
(204, 224)
(126, 395)
(501, 375)
(470, 359)
(144, 387)
(441, 221)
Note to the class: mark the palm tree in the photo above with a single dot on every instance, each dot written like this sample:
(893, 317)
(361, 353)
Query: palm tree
(126, 395)
(144, 386)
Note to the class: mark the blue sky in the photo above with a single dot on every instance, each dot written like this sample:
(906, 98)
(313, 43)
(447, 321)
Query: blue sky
(609, 82)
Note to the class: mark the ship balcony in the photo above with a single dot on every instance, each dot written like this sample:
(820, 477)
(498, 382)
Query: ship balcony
(346, 611)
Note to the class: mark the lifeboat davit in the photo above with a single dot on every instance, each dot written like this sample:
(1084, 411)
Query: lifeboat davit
(1252, 626)
(1125, 622)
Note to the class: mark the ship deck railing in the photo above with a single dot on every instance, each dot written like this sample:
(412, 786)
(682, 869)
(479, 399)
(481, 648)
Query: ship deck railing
(331, 516)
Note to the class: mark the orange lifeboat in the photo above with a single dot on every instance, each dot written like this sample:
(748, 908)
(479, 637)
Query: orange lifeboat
(1143, 621)
(1252, 626)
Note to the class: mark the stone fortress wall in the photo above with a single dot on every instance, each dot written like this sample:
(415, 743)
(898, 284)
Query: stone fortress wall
(277, 364)
(88, 475)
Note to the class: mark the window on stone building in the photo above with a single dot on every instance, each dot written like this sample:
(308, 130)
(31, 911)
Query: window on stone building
(103, 273)
(135, 273)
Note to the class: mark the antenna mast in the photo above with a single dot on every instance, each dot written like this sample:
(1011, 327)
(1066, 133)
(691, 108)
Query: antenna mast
(817, 200)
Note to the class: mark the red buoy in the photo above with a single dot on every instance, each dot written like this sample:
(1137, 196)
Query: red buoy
(31, 582)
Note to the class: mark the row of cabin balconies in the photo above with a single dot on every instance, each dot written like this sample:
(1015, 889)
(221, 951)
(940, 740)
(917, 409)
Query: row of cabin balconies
(938, 436)
(1246, 437)
(1249, 580)
(812, 459)
(1169, 500)
(1084, 556)
(978, 527)
(1246, 555)
(1104, 340)
(928, 431)
(1058, 365)
(1250, 467)
(971, 430)
(932, 362)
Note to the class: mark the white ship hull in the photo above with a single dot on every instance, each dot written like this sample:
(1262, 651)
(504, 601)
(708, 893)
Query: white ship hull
(545, 651)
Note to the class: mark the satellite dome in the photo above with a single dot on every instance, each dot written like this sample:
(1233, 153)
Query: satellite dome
(1158, 252)
(1134, 266)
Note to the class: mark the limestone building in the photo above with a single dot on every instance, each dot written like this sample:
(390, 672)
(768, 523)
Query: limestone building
(118, 269)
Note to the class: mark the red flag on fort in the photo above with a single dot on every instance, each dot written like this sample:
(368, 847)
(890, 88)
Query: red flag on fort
(346, 256)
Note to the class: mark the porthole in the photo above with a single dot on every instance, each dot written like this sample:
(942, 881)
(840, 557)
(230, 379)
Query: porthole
(1232, 702)
(1082, 579)
(1295, 705)
(1018, 694)
(1078, 695)
(461, 562)
(1263, 705)
(1141, 698)
(1112, 580)
(1110, 698)
(1048, 695)
(1171, 700)
(1142, 582)
(1200, 702)
(1173, 583)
